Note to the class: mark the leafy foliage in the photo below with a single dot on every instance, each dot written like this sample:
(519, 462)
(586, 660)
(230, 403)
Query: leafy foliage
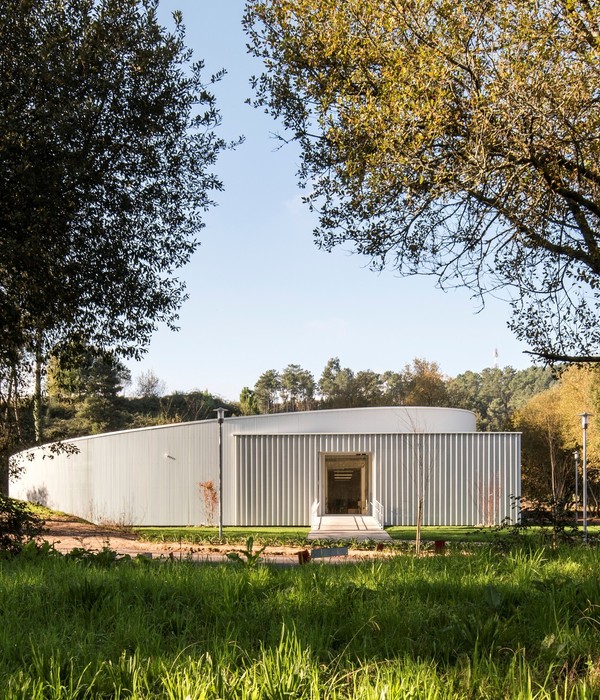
(297, 388)
(248, 402)
(551, 427)
(18, 526)
(105, 558)
(248, 557)
(83, 387)
(97, 413)
(459, 141)
(495, 394)
(266, 390)
(107, 138)
(149, 385)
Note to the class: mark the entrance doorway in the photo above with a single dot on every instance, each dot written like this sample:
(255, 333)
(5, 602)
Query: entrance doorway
(346, 477)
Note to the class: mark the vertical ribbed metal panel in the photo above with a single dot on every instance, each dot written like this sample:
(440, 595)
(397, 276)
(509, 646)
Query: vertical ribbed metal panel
(148, 476)
(152, 476)
(463, 479)
(276, 477)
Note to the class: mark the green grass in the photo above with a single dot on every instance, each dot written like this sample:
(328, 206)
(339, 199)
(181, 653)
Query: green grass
(522, 624)
(473, 534)
(448, 534)
(231, 535)
(296, 536)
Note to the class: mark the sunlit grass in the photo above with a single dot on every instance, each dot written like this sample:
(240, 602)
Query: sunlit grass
(448, 534)
(482, 624)
(296, 536)
(231, 535)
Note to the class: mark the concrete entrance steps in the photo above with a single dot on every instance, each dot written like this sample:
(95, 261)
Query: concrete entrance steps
(347, 527)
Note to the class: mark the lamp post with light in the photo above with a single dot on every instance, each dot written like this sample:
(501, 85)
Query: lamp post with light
(584, 424)
(576, 456)
(220, 418)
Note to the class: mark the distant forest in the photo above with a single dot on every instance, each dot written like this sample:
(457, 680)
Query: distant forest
(97, 394)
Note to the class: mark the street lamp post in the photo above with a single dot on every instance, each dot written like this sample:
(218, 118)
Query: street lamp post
(576, 455)
(584, 424)
(220, 418)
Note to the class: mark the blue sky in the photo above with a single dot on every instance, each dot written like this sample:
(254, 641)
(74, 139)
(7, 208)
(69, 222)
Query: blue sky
(262, 295)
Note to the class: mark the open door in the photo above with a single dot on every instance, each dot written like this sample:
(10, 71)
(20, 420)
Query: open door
(346, 477)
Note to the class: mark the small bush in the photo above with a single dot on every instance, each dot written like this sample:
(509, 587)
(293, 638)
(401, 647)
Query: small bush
(18, 526)
(105, 558)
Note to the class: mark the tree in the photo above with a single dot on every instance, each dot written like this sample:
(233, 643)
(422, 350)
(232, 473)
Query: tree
(87, 372)
(149, 385)
(297, 388)
(457, 140)
(248, 402)
(106, 141)
(579, 393)
(266, 390)
(86, 388)
(551, 428)
(494, 394)
(424, 384)
(336, 385)
(193, 406)
(394, 388)
(367, 388)
(547, 463)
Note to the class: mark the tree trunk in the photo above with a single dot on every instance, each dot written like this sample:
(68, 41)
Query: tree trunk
(37, 392)
(10, 434)
(419, 519)
(4, 457)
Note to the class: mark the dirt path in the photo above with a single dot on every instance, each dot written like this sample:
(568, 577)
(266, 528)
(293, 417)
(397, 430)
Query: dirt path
(67, 533)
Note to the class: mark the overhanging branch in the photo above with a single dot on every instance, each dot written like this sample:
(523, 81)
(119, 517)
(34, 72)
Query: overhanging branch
(558, 357)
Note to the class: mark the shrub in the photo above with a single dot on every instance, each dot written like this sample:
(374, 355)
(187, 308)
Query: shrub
(18, 526)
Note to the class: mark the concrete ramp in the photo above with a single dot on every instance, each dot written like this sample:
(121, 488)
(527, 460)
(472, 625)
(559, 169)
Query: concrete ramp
(347, 527)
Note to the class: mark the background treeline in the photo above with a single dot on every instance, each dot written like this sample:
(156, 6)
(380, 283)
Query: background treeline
(493, 394)
(96, 394)
(93, 393)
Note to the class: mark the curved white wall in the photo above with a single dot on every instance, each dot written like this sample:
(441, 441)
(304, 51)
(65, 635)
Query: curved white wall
(152, 475)
(394, 419)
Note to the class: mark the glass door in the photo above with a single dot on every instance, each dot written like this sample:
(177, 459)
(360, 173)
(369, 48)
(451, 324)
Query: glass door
(346, 484)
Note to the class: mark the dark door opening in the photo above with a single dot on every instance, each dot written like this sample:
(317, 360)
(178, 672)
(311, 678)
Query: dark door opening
(346, 477)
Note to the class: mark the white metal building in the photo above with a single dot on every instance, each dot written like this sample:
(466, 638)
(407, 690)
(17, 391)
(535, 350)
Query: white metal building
(283, 469)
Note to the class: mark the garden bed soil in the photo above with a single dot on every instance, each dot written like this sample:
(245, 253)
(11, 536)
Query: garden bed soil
(66, 533)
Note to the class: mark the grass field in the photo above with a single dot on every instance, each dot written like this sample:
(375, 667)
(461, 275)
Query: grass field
(231, 535)
(474, 624)
(296, 536)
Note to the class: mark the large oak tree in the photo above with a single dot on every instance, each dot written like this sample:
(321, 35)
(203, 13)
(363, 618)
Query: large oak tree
(460, 140)
(106, 146)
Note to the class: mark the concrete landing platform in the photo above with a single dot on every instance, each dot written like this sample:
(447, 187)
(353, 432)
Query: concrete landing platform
(347, 527)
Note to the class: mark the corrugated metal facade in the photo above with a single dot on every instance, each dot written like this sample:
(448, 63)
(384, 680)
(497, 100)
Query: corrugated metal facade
(273, 469)
(139, 477)
(463, 479)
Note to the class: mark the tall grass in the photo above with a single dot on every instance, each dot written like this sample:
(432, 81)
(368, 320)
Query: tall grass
(478, 625)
